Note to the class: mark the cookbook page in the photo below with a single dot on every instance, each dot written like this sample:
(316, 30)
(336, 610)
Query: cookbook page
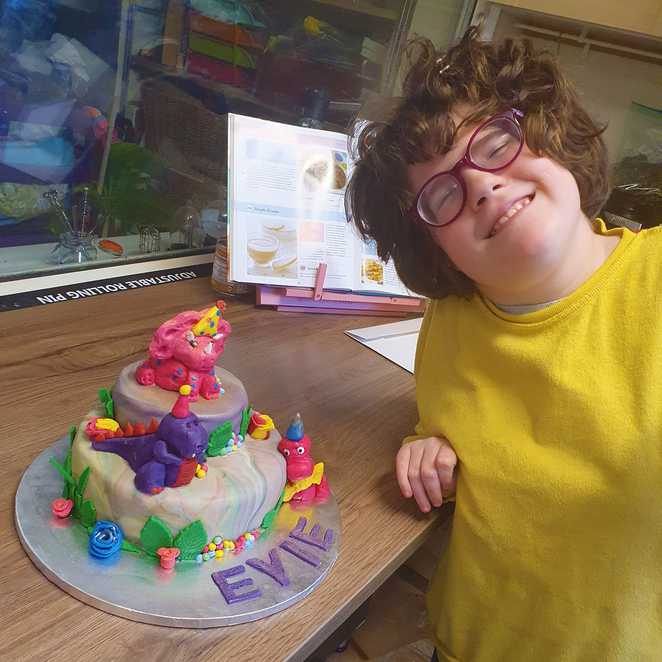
(375, 276)
(286, 188)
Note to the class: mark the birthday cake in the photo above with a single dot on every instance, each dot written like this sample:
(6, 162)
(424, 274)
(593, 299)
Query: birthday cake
(173, 463)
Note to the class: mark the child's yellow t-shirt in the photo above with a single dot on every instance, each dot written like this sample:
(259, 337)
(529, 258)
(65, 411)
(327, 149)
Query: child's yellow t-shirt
(556, 418)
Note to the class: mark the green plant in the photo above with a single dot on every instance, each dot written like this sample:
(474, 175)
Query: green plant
(130, 195)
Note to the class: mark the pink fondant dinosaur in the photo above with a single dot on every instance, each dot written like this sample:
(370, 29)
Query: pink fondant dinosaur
(305, 480)
(178, 356)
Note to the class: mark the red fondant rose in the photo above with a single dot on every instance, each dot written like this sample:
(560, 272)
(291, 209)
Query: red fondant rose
(168, 557)
(62, 507)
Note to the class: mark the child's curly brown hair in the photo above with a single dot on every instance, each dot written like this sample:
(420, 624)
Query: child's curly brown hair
(489, 78)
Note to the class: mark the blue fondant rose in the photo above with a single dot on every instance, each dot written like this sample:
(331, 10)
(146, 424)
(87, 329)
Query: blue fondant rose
(105, 540)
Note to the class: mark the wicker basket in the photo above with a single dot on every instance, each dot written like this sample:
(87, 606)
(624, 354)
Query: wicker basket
(180, 128)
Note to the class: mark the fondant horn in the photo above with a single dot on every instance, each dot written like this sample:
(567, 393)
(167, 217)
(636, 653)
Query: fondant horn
(180, 408)
(295, 431)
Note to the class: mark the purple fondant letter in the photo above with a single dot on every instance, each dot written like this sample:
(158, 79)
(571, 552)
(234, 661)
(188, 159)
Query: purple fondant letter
(313, 538)
(274, 568)
(300, 552)
(228, 589)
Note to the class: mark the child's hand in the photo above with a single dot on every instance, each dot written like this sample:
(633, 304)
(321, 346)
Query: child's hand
(426, 469)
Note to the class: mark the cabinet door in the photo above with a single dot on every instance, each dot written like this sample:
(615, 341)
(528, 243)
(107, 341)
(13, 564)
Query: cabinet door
(643, 16)
(657, 30)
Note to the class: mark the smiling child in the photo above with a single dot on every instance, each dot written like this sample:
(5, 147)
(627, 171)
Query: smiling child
(539, 360)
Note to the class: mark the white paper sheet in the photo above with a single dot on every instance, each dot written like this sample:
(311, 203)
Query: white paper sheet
(395, 341)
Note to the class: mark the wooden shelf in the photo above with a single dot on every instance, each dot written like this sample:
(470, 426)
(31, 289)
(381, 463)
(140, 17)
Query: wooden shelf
(240, 101)
(362, 7)
(636, 16)
(581, 39)
(562, 29)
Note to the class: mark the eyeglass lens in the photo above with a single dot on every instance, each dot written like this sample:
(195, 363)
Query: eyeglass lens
(492, 148)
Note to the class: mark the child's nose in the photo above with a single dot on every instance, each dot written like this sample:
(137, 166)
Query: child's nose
(480, 186)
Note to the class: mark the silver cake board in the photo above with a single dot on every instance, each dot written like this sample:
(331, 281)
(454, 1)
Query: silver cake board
(188, 596)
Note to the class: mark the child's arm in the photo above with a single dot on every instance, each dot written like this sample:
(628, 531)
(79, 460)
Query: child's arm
(425, 469)
(425, 465)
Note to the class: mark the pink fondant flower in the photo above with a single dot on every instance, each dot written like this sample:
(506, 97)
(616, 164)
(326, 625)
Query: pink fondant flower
(168, 557)
(62, 507)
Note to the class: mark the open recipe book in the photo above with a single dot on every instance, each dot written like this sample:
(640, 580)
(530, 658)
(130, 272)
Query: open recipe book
(286, 211)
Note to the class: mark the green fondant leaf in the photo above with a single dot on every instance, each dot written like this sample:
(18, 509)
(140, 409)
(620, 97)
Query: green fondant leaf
(82, 481)
(219, 438)
(68, 492)
(245, 418)
(75, 511)
(88, 513)
(65, 474)
(269, 518)
(191, 539)
(130, 547)
(107, 401)
(155, 534)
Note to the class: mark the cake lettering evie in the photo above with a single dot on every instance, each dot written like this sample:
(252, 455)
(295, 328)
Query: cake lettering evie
(173, 464)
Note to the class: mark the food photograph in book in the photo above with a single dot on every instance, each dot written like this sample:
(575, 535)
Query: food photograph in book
(271, 246)
(325, 170)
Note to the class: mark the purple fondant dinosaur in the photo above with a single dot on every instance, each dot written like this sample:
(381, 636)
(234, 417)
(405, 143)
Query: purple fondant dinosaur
(165, 458)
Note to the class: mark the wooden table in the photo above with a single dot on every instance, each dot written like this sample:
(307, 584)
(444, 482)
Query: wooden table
(356, 405)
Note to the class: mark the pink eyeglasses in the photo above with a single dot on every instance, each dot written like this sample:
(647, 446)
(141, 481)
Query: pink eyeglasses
(494, 145)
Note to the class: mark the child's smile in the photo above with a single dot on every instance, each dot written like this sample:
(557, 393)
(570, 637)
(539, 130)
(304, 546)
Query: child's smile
(512, 209)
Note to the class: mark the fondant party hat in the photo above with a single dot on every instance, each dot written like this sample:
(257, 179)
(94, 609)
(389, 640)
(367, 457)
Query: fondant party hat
(295, 431)
(180, 408)
(208, 325)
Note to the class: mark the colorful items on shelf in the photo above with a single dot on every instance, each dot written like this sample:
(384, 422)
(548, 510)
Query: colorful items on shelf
(305, 480)
(244, 13)
(111, 247)
(169, 457)
(222, 72)
(230, 33)
(178, 355)
(218, 50)
(222, 51)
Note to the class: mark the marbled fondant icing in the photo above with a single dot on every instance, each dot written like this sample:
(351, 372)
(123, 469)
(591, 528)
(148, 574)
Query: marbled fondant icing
(235, 495)
(135, 403)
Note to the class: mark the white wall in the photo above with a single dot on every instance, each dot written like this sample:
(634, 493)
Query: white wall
(608, 82)
(437, 20)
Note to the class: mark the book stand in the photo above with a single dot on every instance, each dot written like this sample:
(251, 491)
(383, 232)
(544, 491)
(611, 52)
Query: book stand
(319, 300)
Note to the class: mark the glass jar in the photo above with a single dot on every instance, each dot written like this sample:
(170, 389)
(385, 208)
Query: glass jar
(188, 231)
(76, 248)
